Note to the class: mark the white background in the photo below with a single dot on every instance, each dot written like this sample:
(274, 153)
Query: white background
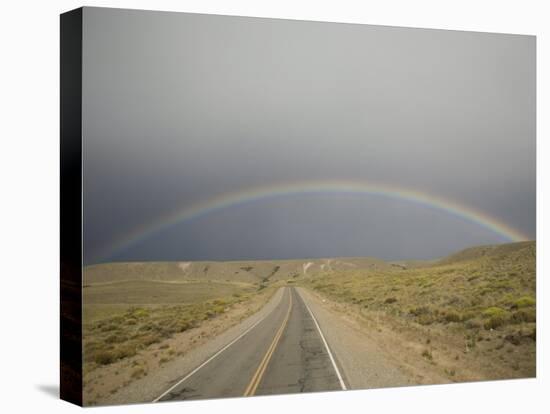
(29, 193)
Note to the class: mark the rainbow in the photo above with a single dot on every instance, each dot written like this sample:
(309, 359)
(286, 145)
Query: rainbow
(252, 194)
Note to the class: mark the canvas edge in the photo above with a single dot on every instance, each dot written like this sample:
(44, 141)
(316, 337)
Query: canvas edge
(71, 206)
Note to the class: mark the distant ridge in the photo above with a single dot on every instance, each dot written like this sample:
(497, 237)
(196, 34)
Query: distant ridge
(250, 271)
(263, 271)
(490, 251)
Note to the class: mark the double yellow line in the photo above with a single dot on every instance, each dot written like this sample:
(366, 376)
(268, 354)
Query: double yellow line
(258, 375)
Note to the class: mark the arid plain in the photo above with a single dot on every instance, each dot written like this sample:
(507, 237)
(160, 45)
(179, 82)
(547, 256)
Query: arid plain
(467, 317)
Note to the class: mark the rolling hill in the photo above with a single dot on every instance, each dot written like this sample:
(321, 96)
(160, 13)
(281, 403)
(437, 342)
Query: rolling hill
(260, 271)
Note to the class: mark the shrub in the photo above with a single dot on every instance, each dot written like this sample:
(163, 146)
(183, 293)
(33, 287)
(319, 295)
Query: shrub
(209, 314)
(493, 311)
(140, 313)
(138, 373)
(104, 358)
(426, 319)
(116, 339)
(124, 351)
(450, 372)
(524, 302)
(466, 316)
(427, 354)
(117, 320)
(452, 316)
(471, 340)
(472, 324)
(514, 339)
(184, 325)
(109, 327)
(419, 310)
(496, 321)
(147, 327)
(149, 339)
(524, 315)
(219, 309)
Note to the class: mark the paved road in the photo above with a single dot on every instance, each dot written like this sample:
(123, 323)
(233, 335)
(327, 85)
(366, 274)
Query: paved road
(283, 353)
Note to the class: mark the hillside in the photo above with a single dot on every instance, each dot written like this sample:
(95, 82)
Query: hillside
(469, 316)
(260, 271)
(479, 303)
(496, 252)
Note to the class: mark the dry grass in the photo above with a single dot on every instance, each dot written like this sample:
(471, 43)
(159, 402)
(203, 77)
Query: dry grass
(484, 299)
(137, 292)
(102, 382)
(122, 318)
(470, 316)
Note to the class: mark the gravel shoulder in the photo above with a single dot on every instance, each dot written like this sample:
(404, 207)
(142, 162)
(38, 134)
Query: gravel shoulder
(364, 363)
(199, 344)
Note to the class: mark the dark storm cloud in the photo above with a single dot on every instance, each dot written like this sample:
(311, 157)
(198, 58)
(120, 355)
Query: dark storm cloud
(179, 107)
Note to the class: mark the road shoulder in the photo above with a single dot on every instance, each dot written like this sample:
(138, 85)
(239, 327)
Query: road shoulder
(363, 362)
(202, 343)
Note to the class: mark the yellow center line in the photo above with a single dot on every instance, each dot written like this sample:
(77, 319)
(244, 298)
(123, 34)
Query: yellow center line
(258, 375)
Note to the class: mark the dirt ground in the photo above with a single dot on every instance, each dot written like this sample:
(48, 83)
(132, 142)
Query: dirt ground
(434, 354)
(103, 383)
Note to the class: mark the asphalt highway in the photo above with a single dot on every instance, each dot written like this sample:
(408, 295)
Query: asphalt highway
(285, 352)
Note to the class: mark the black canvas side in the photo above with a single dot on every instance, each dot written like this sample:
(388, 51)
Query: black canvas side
(71, 206)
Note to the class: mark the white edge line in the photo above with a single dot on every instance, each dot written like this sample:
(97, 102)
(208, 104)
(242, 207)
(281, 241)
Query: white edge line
(209, 359)
(327, 347)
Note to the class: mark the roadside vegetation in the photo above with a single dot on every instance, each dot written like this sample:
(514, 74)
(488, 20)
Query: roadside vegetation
(140, 316)
(470, 316)
(480, 301)
(120, 319)
(133, 327)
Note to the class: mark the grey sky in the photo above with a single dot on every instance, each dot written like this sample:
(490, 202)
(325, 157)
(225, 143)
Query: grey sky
(181, 107)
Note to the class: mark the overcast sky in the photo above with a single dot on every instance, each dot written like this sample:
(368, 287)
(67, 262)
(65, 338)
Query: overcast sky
(179, 108)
